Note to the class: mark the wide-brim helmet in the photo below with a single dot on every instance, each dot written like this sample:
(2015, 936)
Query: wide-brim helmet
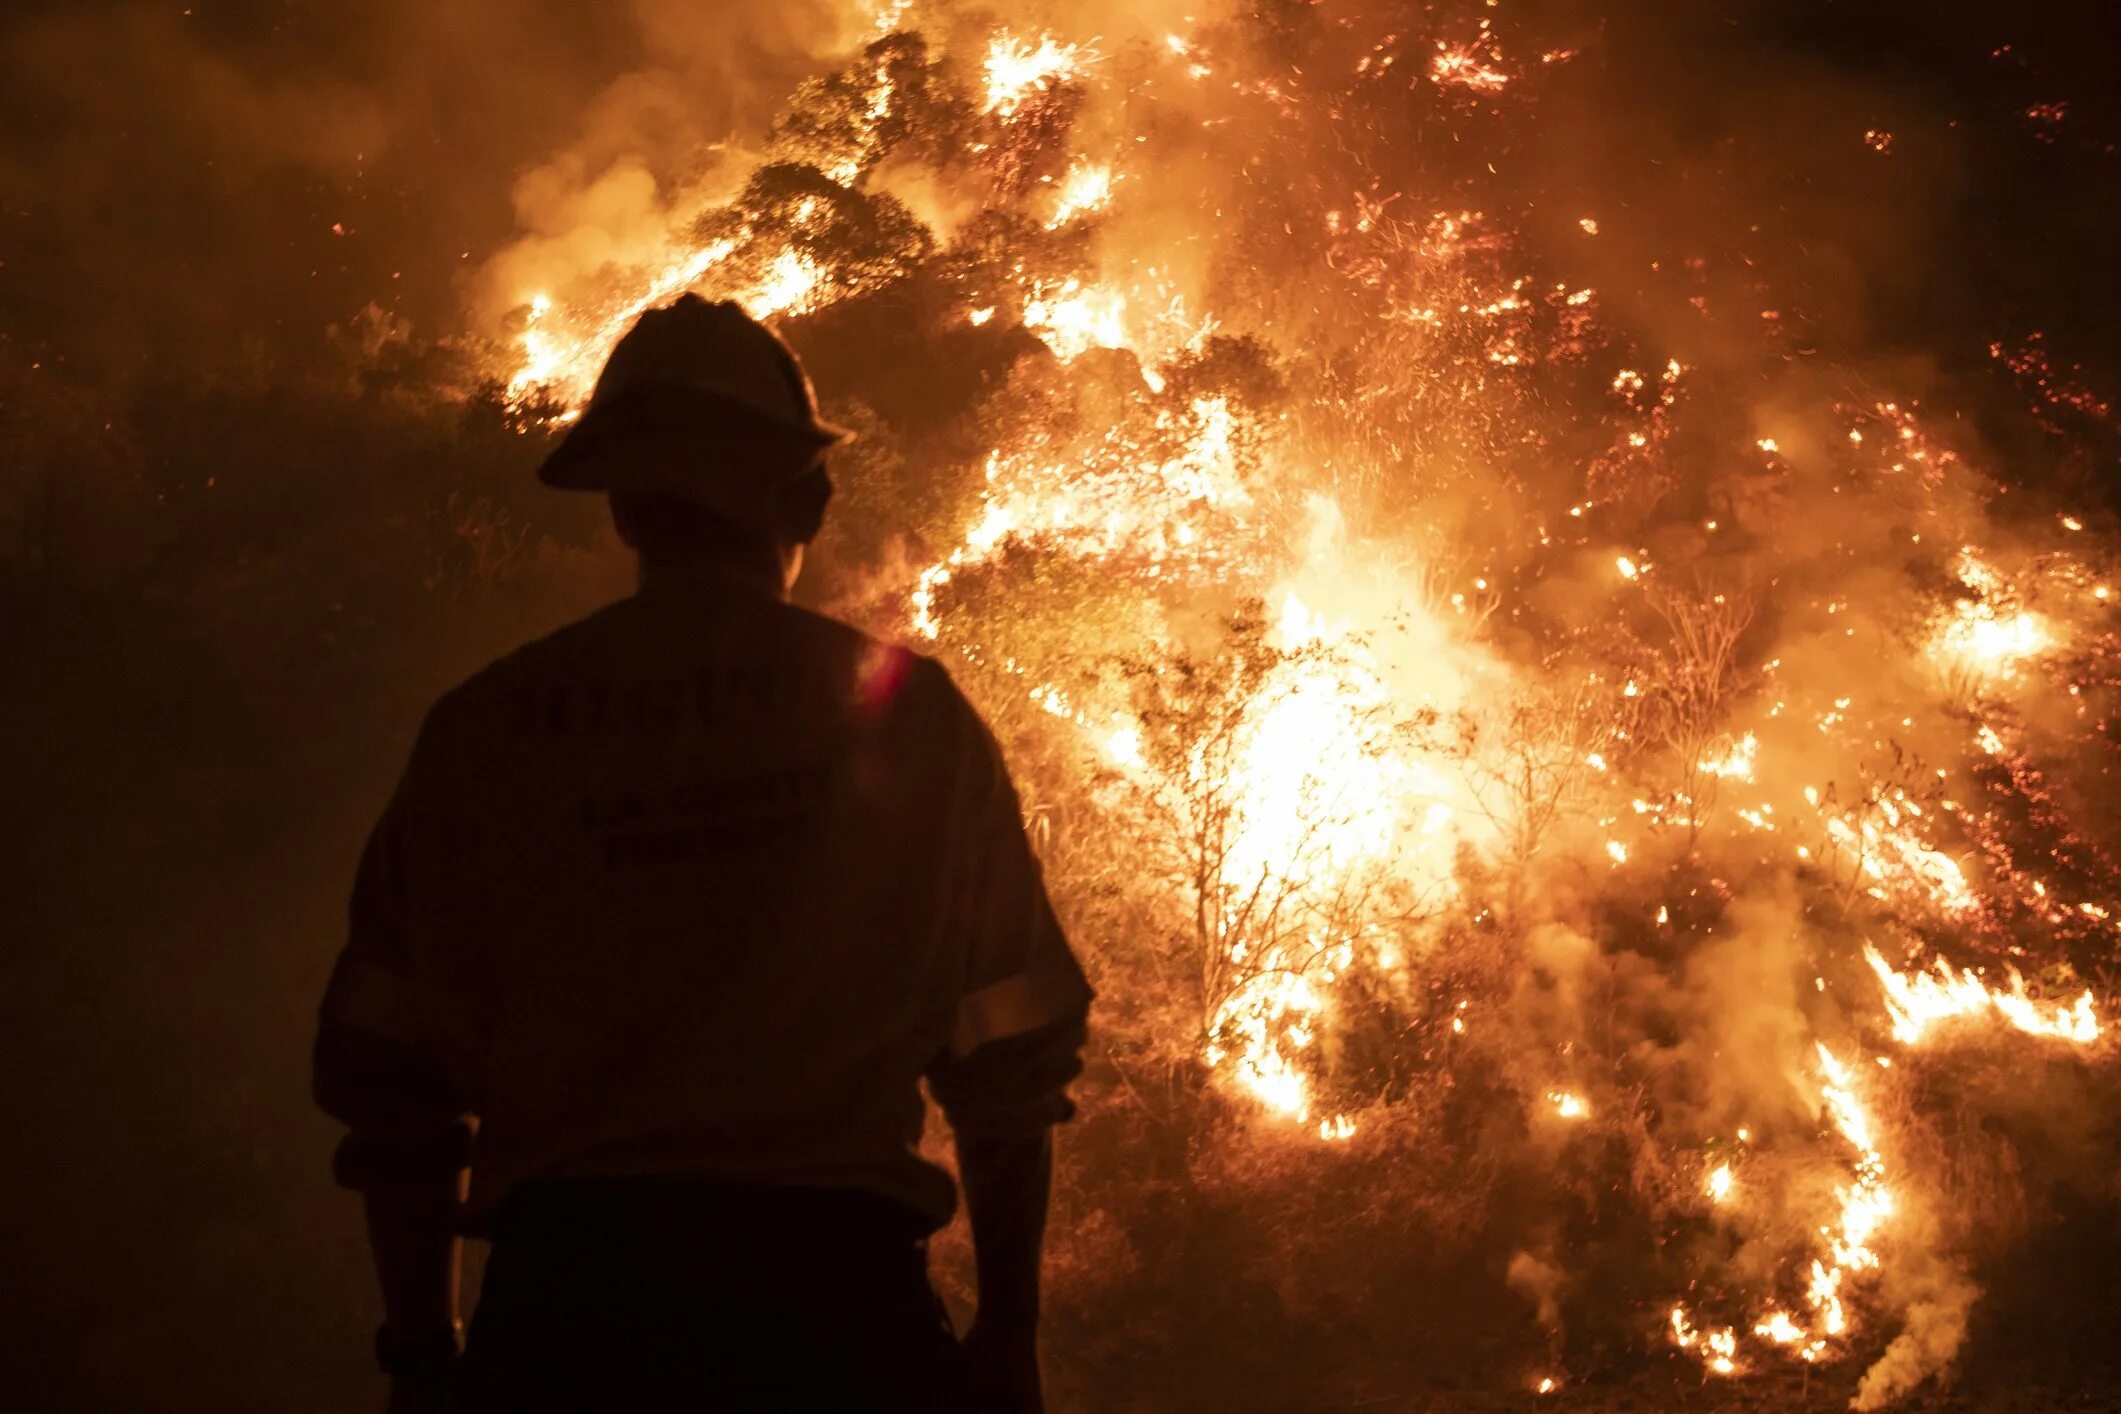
(701, 402)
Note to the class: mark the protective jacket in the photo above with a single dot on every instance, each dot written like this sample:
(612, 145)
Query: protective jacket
(704, 884)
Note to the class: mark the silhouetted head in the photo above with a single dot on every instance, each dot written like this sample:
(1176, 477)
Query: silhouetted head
(671, 529)
(704, 431)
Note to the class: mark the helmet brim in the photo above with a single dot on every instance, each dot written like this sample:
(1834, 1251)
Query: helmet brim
(651, 439)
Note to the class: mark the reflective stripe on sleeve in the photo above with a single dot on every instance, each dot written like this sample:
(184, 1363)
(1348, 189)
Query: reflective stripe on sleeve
(1011, 1007)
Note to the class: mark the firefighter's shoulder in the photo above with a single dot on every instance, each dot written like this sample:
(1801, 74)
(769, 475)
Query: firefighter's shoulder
(506, 687)
(883, 676)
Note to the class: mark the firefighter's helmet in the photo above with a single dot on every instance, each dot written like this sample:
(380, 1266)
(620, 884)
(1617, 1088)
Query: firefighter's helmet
(702, 402)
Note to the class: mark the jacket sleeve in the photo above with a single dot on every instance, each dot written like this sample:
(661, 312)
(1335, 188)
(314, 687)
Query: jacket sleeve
(1014, 1086)
(1018, 1032)
(377, 1067)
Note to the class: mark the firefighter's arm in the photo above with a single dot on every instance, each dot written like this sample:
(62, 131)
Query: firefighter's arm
(413, 1236)
(1015, 1044)
(407, 1148)
(1007, 1184)
(1006, 1187)
(407, 1153)
(1003, 1099)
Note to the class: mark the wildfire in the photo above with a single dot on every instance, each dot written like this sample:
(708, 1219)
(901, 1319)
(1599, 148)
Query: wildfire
(1017, 69)
(1466, 67)
(1865, 1205)
(1074, 317)
(1319, 796)
(1986, 634)
(564, 363)
(1733, 759)
(1326, 751)
(1919, 1000)
(1260, 1033)
(1086, 188)
(1718, 1348)
(1883, 845)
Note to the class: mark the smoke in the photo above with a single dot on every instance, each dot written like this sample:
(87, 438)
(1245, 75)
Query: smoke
(1541, 1282)
(659, 142)
(226, 181)
(1743, 999)
(1937, 1299)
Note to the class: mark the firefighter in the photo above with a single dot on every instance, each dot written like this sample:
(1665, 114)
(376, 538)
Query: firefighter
(670, 916)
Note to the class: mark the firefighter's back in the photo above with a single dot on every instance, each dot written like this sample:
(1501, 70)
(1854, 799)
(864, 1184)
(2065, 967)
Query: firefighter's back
(682, 878)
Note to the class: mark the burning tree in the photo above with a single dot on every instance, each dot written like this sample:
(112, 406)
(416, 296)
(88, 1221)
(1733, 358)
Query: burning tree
(1279, 856)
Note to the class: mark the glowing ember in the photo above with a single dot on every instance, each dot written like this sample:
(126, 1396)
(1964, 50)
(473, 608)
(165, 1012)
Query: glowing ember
(1017, 69)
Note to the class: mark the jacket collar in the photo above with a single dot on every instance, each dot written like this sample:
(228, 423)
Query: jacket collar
(693, 575)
